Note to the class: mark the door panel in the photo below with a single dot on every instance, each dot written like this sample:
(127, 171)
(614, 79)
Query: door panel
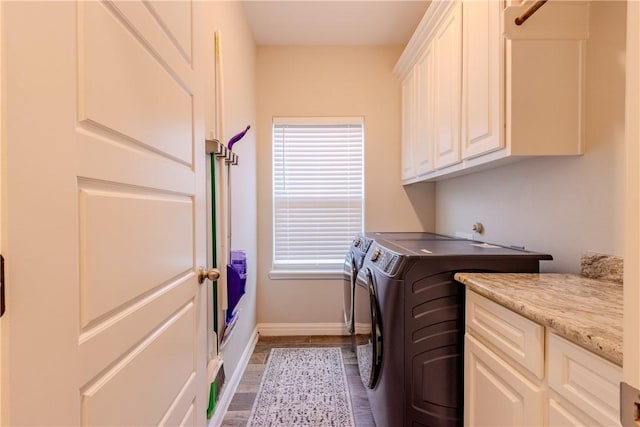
(188, 420)
(127, 228)
(481, 77)
(151, 29)
(447, 90)
(123, 396)
(154, 107)
(496, 394)
(107, 341)
(408, 125)
(423, 146)
(101, 149)
(104, 128)
(175, 18)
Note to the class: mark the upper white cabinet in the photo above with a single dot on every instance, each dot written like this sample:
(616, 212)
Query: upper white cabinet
(417, 119)
(431, 96)
(423, 154)
(492, 91)
(446, 83)
(481, 77)
(409, 97)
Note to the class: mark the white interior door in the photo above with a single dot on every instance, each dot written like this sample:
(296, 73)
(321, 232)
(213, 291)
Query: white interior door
(104, 214)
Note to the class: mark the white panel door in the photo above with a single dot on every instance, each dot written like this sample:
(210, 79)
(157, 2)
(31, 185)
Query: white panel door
(104, 215)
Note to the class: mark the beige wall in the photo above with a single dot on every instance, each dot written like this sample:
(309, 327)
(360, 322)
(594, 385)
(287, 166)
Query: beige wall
(333, 81)
(239, 68)
(563, 206)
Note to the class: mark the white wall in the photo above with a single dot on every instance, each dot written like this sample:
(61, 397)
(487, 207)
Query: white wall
(238, 51)
(562, 206)
(333, 81)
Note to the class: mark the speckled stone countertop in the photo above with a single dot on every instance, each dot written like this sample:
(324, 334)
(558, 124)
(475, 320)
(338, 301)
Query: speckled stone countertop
(585, 311)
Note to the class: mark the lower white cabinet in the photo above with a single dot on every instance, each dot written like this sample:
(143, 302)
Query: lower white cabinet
(504, 388)
(587, 381)
(560, 415)
(496, 393)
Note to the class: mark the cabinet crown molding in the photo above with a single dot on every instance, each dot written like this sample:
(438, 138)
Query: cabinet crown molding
(421, 36)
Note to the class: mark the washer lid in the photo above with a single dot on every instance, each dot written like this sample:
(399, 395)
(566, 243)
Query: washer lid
(407, 235)
(426, 248)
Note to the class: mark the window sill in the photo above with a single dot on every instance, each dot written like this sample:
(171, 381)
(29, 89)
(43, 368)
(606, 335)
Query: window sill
(305, 275)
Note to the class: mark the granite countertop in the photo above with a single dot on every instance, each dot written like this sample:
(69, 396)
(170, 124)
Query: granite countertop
(585, 311)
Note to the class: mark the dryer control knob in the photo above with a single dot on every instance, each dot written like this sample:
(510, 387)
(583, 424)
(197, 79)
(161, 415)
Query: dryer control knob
(376, 254)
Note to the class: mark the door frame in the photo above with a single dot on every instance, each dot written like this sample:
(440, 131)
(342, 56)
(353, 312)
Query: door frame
(631, 334)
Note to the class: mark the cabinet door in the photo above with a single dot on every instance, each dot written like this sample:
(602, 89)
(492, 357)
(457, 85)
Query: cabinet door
(447, 89)
(423, 144)
(495, 393)
(561, 416)
(584, 379)
(481, 77)
(408, 125)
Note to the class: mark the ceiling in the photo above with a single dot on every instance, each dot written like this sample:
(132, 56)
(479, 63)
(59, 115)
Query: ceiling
(334, 22)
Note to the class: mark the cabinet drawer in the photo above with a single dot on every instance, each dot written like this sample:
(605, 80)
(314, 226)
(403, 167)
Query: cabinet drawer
(511, 334)
(585, 380)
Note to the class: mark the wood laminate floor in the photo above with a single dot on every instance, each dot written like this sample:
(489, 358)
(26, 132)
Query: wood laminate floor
(240, 407)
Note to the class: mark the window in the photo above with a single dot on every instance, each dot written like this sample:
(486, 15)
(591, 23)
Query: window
(318, 193)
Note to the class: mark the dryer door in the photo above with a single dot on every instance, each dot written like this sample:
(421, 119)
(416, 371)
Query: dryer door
(349, 278)
(368, 334)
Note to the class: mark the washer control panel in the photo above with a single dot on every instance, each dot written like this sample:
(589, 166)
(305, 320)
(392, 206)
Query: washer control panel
(385, 260)
(362, 244)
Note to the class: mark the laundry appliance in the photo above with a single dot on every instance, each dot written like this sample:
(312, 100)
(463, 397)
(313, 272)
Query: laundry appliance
(352, 263)
(355, 257)
(410, 355)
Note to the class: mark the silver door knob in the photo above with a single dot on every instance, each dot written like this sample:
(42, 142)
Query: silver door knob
(212, 274)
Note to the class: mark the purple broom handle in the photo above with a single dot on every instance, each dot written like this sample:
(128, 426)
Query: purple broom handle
(237, 137)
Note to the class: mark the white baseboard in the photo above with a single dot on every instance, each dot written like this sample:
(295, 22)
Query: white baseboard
(288, 329)
(231, 385)
(363, 328)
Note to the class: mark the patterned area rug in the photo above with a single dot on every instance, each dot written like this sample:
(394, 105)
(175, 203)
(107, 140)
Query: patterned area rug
(303, 387)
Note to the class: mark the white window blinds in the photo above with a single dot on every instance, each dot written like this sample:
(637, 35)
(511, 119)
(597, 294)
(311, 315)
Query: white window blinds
(318, 191)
